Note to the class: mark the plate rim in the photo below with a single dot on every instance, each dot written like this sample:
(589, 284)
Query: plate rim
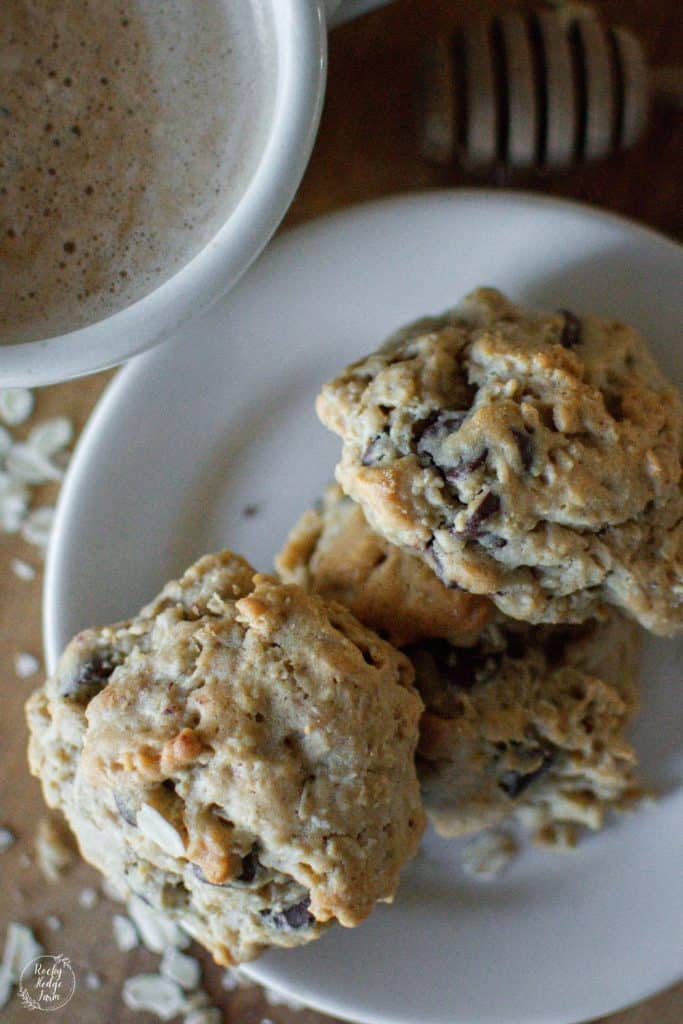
(116, 390)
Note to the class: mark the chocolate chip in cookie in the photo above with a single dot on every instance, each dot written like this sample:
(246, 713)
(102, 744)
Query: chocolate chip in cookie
(431, 432)
(89, 678)
(487, 507)
(571, 329)
(514, 783)
(250, 866)
(295, 917)
(464, 468)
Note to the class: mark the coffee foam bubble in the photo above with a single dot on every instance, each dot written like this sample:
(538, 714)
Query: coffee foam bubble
(128, 132)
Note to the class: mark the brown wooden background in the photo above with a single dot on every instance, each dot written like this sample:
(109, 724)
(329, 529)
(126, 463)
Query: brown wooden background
(366, 148)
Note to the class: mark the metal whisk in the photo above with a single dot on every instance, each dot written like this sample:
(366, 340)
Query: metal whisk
(549, 89)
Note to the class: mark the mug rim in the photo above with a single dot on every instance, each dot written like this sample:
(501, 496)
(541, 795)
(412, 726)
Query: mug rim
(301, 48)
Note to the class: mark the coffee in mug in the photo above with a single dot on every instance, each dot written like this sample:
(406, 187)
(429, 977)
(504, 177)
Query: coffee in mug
(128, 131)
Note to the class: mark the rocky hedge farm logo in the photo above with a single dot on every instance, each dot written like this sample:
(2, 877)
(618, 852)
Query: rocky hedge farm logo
(47, 983)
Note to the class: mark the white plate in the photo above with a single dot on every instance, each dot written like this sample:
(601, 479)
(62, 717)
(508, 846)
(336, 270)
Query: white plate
(190, 434)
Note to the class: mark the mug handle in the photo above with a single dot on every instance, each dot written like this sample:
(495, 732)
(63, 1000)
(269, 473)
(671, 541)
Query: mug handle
(339, 11)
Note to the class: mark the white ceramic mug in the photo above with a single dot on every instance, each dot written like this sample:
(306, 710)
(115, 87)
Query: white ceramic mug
(300, 32)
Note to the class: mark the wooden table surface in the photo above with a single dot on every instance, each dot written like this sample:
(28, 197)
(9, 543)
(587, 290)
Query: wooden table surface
(366, 148)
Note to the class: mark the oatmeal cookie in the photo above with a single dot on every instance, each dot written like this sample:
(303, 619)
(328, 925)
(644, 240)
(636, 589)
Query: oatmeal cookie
(240, 755)
(529, 723)
(535, 458)
(333, 552)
